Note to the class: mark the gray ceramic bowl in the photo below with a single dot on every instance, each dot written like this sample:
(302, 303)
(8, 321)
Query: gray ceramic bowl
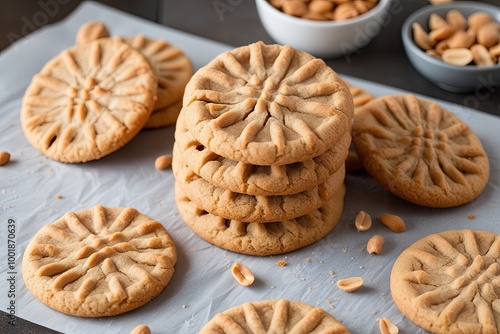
(456, 79)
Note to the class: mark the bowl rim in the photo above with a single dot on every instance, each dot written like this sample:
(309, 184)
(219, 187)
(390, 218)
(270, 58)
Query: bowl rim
(406, 33)
(381, 7)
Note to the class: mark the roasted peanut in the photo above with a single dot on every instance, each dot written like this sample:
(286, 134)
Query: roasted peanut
(433, 53)
(345, 11)
(295, 7)
(421, 37)
(350, 284)
(242, 274)
(461, 39)
(438, 2)
(4, 158)
(141, 329)
(375, 244)
(481, 56)
(456, 20)
(393, 222)
(441, 47)
(320, 6)
(441, 33)
(495, 52)
(477, 20)
(437, 22)
(387, 327)
(363, 221)
(163, 161)
(489, 34)
(458, 57)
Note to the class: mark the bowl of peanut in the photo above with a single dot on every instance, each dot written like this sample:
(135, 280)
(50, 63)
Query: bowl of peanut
(324, 28)
(455, 45)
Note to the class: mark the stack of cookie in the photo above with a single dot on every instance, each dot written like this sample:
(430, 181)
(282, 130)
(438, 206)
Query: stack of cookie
(260, 149)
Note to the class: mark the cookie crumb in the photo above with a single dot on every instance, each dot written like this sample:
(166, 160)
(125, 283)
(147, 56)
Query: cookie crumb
(281, 263)
(331, 273)
(4, 158)
(308, 260)
(58, 196)
(471, 216)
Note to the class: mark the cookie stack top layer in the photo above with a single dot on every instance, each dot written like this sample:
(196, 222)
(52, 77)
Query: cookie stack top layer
(267, 105)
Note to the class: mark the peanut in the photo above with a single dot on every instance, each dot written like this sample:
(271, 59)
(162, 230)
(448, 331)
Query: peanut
(433, 53)
(441, 33)
(295, 7)
(387, 327)
(242, 274)
(375, 244)
(141, 329)
(458, 57)
(350, 284)
(437, 22)
(495, 53)
(4, 158)
(163, 161)
(440, 47)
(393, 222)
(489, 34)
(345, 11)
(363, 221)
(461, 39)
(320, 6)
(481, 56)
(477, 20)
(438, 2)
(421, 37)
(456, 20)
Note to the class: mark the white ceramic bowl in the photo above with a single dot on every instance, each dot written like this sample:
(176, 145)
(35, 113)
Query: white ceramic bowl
(456, 79)
(326, 39)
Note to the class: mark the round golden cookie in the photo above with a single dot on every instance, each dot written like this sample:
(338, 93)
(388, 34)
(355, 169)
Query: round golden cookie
(164, 117)
(449, 282)
(255, 209)
(419, 151)
(274, 316)
(99, 262)
(171, 66)
(88, 101)
(261, 239)
(258, 180)
(267, 105)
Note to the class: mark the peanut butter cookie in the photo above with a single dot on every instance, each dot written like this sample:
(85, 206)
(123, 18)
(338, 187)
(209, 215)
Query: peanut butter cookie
(419, 151)
(99, 262)
(448, 282)
(88, 101)
(267, 105)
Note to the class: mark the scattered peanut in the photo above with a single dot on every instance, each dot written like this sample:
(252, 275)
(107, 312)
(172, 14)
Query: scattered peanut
(363, 221)
(350, 284)
(163, 161)
(375, 244)
(464, 40)
(4, 158)
(242, 274)
(387, 327)
(324, 10)
(393, 222)
(141, 329)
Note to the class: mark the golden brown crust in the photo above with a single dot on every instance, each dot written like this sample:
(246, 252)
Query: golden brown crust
(274, 316)
(88, 101)
(267, 105)
(448, 282)
(419, 151)
(261, 239)
(99, 262)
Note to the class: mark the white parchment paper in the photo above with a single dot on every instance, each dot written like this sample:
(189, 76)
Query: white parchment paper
(202, 284)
